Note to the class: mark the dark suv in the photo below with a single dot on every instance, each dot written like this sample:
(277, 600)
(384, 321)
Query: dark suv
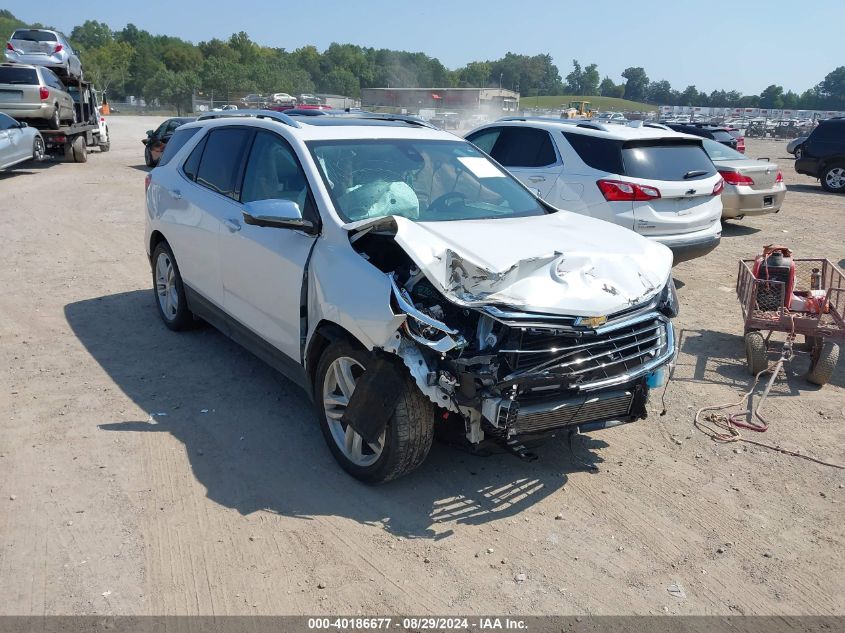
(823, 155)
(719, 134)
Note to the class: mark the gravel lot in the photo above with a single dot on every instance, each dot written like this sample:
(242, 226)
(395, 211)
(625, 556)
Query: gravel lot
(231, 503)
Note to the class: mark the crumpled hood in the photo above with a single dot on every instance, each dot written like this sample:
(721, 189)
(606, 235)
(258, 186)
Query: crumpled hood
(561, 263)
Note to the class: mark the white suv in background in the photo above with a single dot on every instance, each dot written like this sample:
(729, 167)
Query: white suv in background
(656, 182)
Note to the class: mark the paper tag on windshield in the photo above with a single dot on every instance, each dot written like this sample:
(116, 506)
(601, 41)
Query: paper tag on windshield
(481, 167)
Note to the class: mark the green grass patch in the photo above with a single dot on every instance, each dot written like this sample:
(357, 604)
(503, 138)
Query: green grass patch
(604, 104)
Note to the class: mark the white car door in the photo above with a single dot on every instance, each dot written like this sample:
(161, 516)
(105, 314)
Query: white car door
(5, 145)
(262, 267)
(194, 199)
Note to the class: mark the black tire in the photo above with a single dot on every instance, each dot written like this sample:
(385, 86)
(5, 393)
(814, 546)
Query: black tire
(148, 157)
(80, 151)
(756, 354)
(104, 147)
(38, 150)
(823, 364)
(55, 121)
(833, 178)
(180, 318)
(409, 432)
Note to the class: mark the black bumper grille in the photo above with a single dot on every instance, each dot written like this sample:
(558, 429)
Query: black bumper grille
(538, 416)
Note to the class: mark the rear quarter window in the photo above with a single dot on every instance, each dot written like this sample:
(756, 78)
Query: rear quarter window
(176, 142)
(599, 153)
(22, 76)
(664, 159)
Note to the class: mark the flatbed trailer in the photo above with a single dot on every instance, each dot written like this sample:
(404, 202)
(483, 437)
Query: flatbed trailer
(72, 141)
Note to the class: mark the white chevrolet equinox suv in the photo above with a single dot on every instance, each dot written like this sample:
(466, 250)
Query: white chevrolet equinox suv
(647, 178)
(407, 282)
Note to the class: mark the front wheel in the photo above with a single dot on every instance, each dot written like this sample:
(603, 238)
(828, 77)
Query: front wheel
(406, 440)
(824, 358)
(38, 151)
(148, 157)
(169, 291)
(833, 178)
(756, 354)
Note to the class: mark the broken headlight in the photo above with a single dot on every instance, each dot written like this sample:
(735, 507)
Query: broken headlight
(668, 303)
(424, 328)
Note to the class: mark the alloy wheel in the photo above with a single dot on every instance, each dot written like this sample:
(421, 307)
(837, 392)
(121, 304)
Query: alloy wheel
(168, 295)
(338, 387)
(38, 150)
(835, 178)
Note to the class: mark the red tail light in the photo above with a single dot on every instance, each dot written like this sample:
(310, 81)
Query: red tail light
(43, 93)
(779, 177)
(147, 180)
(59, 48)
(718, 188)
(9, 46)
(733, 178)
(619, 191)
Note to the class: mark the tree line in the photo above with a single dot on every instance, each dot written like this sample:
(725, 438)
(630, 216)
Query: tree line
(132, 61)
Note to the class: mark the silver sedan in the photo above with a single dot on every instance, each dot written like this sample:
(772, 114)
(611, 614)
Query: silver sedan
(752, 187)
(18, 142)
(43, 47)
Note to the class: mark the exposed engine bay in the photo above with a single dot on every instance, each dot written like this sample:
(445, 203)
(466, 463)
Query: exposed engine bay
(509, 374)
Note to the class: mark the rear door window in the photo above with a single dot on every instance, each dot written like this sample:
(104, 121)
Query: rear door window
(597, 152)
(177, 142)
(664, 159)
(723, 136)
(222, 161)
(524, 147)
(21, 76)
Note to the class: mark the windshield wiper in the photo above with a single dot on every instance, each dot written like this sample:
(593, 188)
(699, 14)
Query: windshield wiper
(694, 173)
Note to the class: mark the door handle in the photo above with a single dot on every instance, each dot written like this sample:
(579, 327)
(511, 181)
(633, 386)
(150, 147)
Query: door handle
(233, 225)
(537, 178)
(176, 194)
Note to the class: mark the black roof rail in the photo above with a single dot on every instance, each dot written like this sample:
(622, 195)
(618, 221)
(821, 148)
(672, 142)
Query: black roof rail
(592, 126)
(412, 120)
(258, 114)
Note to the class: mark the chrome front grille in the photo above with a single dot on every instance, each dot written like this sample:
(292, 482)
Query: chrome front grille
(538, 416)
(591, 356)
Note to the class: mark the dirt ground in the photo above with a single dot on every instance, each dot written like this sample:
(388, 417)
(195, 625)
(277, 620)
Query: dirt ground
(147, 472)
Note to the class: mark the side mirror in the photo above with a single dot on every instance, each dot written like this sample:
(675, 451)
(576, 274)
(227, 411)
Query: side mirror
(23, 124)
(279, 214)
(149, 132)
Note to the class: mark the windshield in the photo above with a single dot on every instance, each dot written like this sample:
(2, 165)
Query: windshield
(428, 181)
(717, 151)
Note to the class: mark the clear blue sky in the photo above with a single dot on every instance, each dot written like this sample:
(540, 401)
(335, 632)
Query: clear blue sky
(720, 44)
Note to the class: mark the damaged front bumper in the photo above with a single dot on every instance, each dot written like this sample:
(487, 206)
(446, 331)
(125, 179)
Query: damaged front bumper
(547, 374)
(622, 363)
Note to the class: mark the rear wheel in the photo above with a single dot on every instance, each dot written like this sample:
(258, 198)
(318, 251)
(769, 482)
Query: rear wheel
(169, 291)
(833, 178)
(80, 151)
(403, 445)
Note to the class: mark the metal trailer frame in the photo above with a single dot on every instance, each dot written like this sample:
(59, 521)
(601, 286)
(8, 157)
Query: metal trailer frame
(72, 141)
(763, 310)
